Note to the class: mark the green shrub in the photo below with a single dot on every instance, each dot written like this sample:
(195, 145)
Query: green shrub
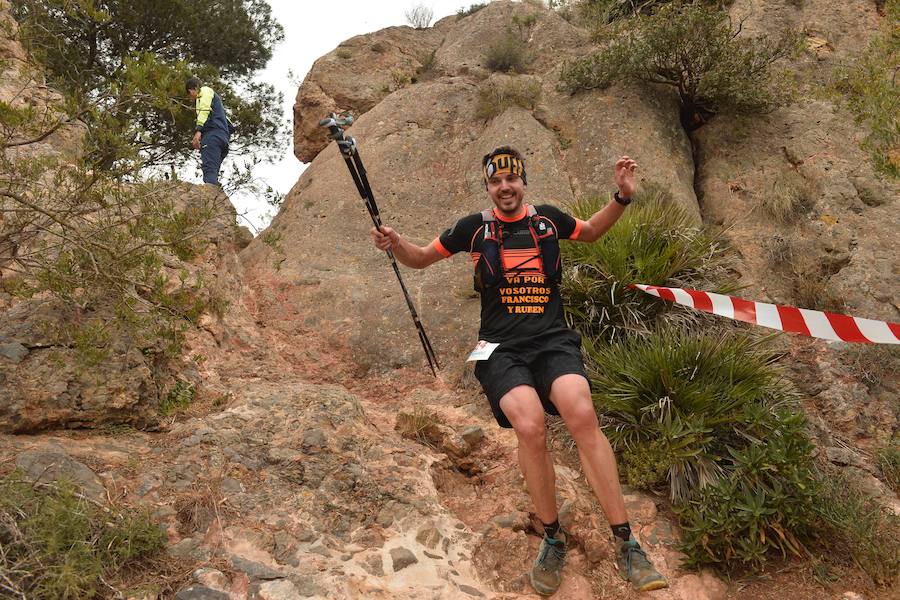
(711, 417)
(655, 242)
(509, 53)
(58, 545)
(694, 49)
(494, 97)
(426, 64)
(178, 399)
(869, 87)
(764, 506)
(687, 402)
(399, 78)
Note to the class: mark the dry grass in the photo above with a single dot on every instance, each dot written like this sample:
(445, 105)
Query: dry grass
(495, 96)
(198, 508)
(420, 425)
(791, 196)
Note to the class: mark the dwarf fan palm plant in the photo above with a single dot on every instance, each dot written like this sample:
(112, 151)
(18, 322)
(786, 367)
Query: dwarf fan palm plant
(680, 405)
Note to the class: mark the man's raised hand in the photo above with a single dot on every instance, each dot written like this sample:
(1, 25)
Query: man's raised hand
(624, 176)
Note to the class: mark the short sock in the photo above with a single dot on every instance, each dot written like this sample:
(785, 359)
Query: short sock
(622, 532)
(552, 529)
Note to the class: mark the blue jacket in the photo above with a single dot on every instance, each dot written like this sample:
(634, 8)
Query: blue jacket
(211, 114)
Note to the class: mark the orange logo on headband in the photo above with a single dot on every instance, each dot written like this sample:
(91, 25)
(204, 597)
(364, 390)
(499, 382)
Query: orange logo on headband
(504, 163)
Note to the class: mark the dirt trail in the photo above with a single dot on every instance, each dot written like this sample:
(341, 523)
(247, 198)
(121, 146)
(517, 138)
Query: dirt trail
(486, 491)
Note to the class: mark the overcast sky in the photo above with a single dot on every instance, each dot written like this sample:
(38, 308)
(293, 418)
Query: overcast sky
(311, 29)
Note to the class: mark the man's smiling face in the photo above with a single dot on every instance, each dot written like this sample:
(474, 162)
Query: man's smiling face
(507, 190)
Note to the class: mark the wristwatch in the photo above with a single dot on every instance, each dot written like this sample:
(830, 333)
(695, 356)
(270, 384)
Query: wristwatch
(621, 200)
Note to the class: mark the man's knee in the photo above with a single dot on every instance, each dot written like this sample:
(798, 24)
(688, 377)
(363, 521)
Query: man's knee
(531, 432)
(523, 408)
(581, 419)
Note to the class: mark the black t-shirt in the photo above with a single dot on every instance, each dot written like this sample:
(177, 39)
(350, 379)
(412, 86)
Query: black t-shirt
(525, 304)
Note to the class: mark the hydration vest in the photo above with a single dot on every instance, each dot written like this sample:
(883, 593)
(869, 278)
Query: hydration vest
(489, 269)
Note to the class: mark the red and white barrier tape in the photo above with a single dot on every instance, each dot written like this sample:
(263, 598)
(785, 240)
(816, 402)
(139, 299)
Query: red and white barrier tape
(814, 323)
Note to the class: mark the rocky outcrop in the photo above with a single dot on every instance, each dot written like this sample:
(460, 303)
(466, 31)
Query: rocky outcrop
(357, 75)
(45, 380)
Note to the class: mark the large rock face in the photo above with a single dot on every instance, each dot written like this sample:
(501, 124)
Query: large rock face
(836, 250)
(421, 146)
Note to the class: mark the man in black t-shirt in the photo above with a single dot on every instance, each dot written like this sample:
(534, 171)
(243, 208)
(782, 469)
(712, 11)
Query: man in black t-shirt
(529, 362)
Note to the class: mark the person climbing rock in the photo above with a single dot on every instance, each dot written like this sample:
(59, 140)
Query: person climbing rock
(529, 361)
(213, 131)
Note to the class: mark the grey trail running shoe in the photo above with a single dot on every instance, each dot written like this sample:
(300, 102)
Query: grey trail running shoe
(634, 567)
(546, 574)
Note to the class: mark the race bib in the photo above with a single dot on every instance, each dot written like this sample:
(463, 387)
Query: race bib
(482, 351)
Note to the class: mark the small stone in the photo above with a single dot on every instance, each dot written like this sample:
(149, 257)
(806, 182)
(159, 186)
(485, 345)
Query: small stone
(468, 589)
(596, 549)
(189, 548)
(285, 548)
(255, 570)
(307, 588)
(385, 517)
(282, 589)
(473, 435)
(507, 521)
(852, 596)
(200, 592)
(374, 565)
(147, 484)
(429, 536)
(640, 508)
(305, 534)
(211, 578)
(658, 533)
(47, 466)
(232, 486)
(15, 352)
(845, 456)
(314, 440)
(694, 587)
(402, 558)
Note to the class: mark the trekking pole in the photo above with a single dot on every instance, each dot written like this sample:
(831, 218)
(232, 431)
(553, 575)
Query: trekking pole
(347, 146)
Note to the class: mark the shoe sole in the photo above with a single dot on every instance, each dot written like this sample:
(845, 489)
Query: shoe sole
(653, 585)
(542, 592)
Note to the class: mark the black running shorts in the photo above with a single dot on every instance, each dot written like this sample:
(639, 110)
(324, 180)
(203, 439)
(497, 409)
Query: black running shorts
(536, 362)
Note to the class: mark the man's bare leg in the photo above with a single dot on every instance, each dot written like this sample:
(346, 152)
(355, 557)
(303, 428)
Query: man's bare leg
(572, 397)
(523, 408)
(525, 412)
